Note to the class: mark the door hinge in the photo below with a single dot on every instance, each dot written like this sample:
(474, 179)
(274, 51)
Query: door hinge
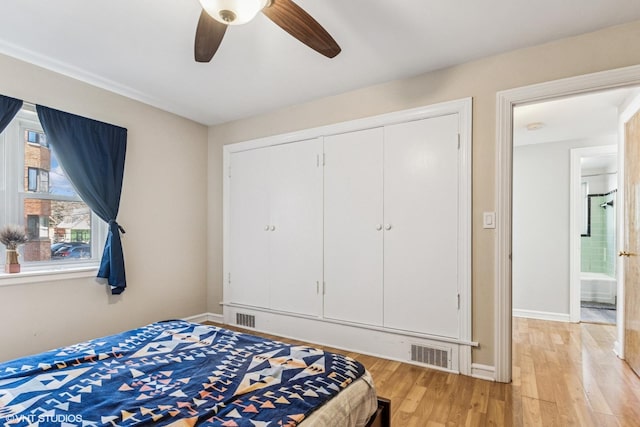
(229, 171)
(317, 286)
(324, 288)
(458, 301)
(458, 141)
(229, 279)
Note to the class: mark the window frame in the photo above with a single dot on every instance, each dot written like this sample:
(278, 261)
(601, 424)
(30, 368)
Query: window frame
(585, 208)
(40, 139)
(32, 184)
(13, 196)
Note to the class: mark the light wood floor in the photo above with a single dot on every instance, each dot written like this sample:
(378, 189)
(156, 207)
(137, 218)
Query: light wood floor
(563, 375)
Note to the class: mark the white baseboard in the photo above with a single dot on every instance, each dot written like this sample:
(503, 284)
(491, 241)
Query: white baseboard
(599, 296)
(386, 344)
(617, 349)
(478, 371)
(206, 317)
(483, 372)
(542, 315)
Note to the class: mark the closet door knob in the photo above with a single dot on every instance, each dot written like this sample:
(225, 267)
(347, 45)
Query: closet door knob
(266, 228)
(387, 227)
(273, 228)
(379, 227)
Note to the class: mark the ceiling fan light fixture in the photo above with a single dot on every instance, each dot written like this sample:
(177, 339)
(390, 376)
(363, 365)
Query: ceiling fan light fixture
(233, 12)
(534, 126)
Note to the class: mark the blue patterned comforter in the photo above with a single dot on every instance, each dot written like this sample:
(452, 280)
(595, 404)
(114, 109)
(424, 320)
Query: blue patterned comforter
(172, 373)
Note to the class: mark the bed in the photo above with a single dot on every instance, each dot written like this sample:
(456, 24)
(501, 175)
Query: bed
(177, 373)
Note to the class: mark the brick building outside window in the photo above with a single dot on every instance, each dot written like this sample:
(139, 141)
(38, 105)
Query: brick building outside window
(49, 220)
(63, 234)
(37, 164)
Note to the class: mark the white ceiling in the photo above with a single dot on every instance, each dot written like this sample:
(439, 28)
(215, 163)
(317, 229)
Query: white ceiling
(593, 116)
(603, 164)
(589, 116)
(144, 48)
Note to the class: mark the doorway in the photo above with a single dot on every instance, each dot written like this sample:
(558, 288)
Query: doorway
(594, 233)
(506, 101)
(547, 137)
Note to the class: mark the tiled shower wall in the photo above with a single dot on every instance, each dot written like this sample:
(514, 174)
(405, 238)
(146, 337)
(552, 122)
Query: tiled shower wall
(598, 250)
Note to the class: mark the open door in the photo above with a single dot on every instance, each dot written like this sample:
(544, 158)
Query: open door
(631, 242)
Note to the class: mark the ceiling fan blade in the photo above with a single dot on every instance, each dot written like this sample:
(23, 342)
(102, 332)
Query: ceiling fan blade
(295, 21)
(208, 37)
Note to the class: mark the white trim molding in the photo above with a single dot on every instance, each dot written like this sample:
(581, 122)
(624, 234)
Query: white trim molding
(483, 372)
(542, 315)
(44, 275)
(505, 102)
(83, 75)
(377, 342)
(206, 317)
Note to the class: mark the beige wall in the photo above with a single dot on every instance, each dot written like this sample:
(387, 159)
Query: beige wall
(163, 210)
(602, 50)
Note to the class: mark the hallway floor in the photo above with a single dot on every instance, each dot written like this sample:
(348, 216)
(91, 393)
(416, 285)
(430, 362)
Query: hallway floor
(566, 374)
(594, 313)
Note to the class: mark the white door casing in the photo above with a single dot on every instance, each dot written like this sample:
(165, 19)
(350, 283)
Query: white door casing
(505, 102)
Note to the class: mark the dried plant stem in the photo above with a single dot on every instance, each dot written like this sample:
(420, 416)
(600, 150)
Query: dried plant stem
(12, 256)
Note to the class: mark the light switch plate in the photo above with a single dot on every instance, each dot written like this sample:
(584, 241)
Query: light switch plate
(488, 220)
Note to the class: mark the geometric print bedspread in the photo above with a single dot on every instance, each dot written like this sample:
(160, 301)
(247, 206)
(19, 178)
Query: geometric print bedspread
(173, 373)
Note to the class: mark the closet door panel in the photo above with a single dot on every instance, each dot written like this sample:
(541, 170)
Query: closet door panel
(296, 220)
(421, 226)
(249, 216)
(353, 227)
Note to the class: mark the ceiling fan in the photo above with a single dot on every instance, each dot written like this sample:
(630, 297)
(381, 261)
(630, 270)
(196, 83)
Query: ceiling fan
(218, 14)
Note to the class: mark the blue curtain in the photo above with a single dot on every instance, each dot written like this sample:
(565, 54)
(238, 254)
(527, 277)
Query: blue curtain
(9, 107)
(92, 154)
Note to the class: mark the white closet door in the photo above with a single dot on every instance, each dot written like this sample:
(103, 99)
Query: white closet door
(296, 222)
(353, 226)
(249, 218)
(421, 226)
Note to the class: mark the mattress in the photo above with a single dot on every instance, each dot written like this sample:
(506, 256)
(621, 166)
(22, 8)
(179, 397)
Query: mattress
(352, 407)
(178, 373)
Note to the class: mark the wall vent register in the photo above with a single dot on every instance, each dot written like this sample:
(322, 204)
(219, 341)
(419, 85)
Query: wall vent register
(433, 356)
(247, 320)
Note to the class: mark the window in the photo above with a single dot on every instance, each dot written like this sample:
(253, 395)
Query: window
(61, 229)
(34, 137)
(37, 227)
(38, 180)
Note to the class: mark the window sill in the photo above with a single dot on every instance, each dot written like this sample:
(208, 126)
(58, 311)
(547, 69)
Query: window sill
(47, 275)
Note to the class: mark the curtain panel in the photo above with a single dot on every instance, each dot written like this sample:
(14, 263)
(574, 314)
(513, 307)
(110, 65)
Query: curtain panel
(92, 155)
(9, 107)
